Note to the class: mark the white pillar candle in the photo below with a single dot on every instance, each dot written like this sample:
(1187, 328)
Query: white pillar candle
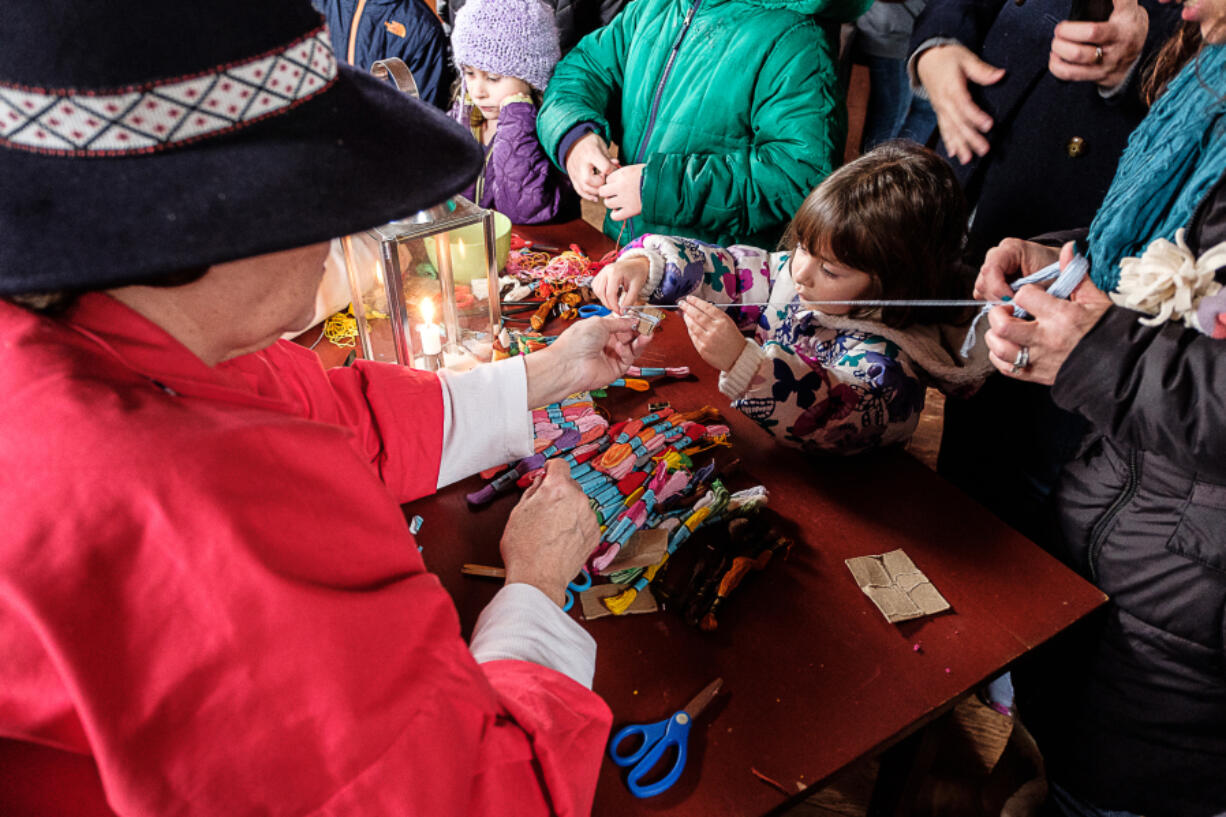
(431, 335)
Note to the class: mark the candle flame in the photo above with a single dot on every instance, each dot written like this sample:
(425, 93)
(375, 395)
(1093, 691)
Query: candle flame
(427, 310)
(460, 246)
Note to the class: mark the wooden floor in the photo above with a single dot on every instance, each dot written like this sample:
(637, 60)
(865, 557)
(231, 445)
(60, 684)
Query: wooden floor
(981, 759)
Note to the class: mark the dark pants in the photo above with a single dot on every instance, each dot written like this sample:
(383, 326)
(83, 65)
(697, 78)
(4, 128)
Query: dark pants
(1005, 447)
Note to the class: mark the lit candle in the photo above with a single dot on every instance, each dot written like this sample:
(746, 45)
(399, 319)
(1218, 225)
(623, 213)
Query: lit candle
(431, 335)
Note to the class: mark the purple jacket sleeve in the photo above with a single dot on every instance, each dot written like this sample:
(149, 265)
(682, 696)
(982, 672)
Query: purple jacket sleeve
(520, 181)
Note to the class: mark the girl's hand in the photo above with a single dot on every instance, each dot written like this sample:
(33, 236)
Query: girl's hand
(1057, 328)
(946, 73)
(588, 164)
(618, 285)
(714, 334)
(622, 192)
(1010, 259)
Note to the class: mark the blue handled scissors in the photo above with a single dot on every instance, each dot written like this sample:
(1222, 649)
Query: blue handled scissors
(592, 311)
(658, 738)
(580, 583)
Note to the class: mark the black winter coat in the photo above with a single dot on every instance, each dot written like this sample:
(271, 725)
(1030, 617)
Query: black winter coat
(1130, 709)
(1030, 182)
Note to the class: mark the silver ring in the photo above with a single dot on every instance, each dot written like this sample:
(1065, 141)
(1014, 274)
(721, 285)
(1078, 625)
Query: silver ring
(1022, 361)
(1098, 55)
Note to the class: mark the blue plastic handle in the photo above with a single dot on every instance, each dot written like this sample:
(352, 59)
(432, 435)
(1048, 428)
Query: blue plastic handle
(658, 738)
(580, 583)
(592, 311)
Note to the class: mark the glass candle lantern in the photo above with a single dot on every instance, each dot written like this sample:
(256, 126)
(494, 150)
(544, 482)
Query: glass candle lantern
(421, 287)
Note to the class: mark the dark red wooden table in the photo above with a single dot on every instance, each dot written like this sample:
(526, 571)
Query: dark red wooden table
(814, 678)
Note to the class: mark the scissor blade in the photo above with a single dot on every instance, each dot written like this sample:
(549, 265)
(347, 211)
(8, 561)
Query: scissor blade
(694, 708)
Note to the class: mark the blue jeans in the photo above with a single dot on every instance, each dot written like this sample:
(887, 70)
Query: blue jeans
(1062, 803)
(893, 111)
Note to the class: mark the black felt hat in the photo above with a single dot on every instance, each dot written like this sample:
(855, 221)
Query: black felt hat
(143, 138)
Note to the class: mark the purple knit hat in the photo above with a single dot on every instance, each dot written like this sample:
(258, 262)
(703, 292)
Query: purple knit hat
(514, 38)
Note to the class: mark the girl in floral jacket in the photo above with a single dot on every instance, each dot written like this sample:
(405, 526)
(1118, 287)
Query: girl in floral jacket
(831, 377)
(506, 51)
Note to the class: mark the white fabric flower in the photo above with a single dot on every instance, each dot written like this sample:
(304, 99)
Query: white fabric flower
(1168, 282)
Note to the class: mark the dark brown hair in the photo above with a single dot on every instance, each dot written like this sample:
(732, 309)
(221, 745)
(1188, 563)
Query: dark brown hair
(1175, 53)
(898, 214)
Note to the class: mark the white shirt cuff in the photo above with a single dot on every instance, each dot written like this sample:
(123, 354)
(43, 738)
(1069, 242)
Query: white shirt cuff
(735, 382)
(486, 421)
(523, 624)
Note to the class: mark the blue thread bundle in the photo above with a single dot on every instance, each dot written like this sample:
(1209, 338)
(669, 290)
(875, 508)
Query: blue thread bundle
(1062, 287)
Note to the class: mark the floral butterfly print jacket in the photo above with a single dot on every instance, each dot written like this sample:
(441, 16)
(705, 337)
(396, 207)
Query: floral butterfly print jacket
(813, 386)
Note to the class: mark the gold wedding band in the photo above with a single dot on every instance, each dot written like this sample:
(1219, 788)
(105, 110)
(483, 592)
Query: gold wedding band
(1098, 55)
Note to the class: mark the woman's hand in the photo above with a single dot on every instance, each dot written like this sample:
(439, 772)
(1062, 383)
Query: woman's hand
(622, 192)
(589, 355)
(714, 334)
(1100, 52)
(1010, 259)
(550, 533)
(588, 164)
(946, 72)
(1057, 328)
(618, 285)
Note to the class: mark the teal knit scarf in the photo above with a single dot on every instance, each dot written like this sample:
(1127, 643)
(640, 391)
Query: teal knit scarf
(1173, 159)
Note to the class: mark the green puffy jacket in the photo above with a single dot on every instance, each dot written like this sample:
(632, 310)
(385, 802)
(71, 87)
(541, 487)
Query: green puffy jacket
(749, 117)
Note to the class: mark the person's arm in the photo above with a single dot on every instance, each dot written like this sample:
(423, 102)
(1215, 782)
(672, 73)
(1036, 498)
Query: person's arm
(526, 187)
(482, 415)
(869, 397)
(586, 85)
(1160, 388)
(798, 125)
(966, 21)
(675, 267)
(429, 60)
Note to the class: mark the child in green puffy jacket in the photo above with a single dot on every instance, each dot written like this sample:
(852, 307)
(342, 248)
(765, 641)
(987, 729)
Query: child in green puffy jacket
(838, 378)
(726, 113)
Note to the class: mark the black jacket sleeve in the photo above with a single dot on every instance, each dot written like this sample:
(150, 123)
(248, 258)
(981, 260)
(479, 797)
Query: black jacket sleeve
(1159, 388)
(966, 21)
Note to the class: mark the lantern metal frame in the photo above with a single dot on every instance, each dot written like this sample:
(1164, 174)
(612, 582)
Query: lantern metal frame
(428, 225)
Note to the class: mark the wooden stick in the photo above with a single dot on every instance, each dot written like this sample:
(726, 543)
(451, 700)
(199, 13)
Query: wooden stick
(485, 571)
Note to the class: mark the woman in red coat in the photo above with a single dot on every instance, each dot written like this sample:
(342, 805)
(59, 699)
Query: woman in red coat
(206, 581)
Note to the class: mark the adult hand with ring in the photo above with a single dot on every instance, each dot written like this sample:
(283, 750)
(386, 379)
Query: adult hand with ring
(1022, 361)
(1100, 52)
(1034, 350)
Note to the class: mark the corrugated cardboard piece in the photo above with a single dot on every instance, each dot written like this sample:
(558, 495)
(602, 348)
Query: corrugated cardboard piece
(896, 586)
(589, 599)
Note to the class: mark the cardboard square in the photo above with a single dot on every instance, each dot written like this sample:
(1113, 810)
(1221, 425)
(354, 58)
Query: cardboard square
(593, 608)
(644, 548)
(898, 588)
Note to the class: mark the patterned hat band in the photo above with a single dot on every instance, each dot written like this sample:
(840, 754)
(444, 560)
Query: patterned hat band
(166, 113)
